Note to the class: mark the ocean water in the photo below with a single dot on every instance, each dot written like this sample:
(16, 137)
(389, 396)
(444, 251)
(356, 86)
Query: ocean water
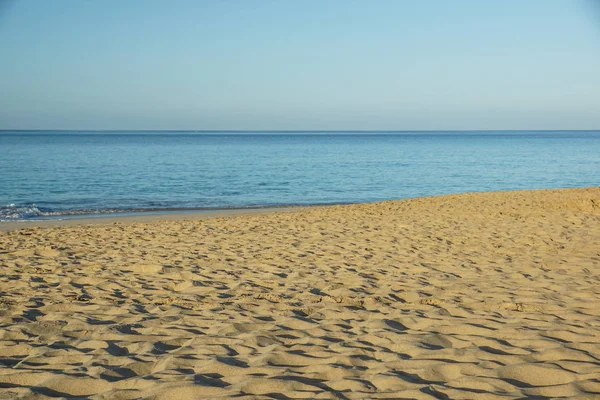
(65, 174)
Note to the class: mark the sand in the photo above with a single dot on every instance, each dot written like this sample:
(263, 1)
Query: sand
(474, 296)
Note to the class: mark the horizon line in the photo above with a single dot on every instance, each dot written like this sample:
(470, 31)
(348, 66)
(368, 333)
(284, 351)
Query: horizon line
(298, 130)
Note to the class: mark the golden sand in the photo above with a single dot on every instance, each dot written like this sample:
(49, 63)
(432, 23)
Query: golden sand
(474, 296)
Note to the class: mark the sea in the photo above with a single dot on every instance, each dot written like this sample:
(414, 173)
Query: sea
(73, 174)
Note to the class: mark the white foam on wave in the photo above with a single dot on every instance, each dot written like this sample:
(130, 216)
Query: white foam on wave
(12, 212)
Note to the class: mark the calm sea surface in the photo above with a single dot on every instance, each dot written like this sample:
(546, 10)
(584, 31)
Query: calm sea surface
(61, 174)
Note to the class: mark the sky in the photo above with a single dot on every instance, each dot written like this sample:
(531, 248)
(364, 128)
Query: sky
(300, 65)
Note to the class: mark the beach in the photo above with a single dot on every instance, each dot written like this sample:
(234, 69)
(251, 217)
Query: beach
(470, 296)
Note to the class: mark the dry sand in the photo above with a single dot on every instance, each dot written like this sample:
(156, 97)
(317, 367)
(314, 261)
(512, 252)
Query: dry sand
(475, 296)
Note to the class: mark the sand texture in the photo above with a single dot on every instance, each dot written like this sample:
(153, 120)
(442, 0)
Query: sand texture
(474, 296)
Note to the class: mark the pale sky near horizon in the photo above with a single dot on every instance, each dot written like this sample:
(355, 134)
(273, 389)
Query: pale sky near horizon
(300, 65)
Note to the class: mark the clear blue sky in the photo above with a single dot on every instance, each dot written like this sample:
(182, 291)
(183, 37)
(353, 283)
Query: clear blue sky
(322, 64)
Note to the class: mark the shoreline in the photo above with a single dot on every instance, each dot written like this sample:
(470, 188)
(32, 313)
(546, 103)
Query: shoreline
(147, 217)
(152, 216)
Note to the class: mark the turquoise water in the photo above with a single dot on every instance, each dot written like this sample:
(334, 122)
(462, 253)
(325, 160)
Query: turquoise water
(62, 174)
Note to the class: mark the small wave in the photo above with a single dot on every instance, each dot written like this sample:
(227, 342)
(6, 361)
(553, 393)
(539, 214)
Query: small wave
(12, 212)
(16, 212)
